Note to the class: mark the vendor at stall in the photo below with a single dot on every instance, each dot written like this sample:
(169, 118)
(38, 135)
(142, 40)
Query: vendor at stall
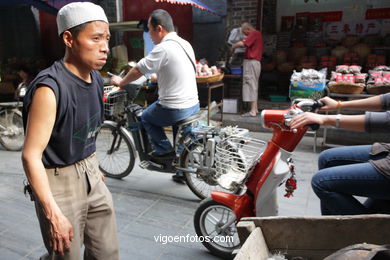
(252, 66)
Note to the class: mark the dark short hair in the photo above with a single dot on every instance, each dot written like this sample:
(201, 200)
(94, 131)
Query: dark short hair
(163, 18)
(76, 30)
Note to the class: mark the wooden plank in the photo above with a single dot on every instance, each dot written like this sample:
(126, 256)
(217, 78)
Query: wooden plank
(244, 229)
(317, 237)
(254, 248)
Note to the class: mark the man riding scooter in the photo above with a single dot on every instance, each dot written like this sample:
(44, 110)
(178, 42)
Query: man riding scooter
(173, 60)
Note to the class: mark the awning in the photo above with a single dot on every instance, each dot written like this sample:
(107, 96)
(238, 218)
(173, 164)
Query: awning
(39, 4)
(126, 26)
(195, 3)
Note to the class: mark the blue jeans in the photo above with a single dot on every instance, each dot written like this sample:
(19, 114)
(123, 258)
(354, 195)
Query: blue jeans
(345, 172)
(157, 116)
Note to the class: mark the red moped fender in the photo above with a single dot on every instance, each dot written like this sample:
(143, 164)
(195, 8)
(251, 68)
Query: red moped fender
(242, 205)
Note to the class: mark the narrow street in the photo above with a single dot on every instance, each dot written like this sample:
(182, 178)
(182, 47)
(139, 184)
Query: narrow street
(148, 206)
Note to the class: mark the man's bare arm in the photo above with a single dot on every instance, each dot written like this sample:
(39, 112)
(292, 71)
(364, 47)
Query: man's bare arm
(40, 124)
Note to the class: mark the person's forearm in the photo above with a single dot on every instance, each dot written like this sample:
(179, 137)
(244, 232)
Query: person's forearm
(369, 104)
(238, 45)
(132, 75)
(351, 122)
(39, 182)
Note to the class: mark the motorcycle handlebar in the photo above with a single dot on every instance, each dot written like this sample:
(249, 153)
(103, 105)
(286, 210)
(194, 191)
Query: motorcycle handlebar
(312, 105)
(268, 116)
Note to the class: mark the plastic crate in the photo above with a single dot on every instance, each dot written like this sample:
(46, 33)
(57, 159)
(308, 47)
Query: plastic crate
(236, 70)
(277, 98)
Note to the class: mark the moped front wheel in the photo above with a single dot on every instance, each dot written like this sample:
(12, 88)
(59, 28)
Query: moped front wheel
(215, 226)
(11, 130)
(114, 152)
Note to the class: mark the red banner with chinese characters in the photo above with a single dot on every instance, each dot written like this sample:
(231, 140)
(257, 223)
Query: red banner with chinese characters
(326, 16)
(329, 16)
(380, 13)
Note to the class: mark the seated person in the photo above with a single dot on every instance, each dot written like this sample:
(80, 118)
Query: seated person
(173, 60)
(361, 170)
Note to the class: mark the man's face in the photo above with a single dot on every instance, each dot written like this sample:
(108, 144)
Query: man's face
(154, 33)
(91, 45)
(246, 31)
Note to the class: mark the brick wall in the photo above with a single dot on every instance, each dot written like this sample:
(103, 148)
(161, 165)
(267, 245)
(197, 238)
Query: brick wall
(269, 16)
(109, 7)
(239, 11)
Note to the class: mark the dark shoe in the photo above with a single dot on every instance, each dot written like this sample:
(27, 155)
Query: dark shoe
(170, 154)
(179, 178)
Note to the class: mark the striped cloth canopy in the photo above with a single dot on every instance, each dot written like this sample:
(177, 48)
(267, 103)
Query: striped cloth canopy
(195, 3)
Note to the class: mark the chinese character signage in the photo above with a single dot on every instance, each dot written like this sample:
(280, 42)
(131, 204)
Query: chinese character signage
(340, 29)
(380, 13)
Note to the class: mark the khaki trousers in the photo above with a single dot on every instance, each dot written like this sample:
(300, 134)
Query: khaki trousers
(251, 75)
(85, 200)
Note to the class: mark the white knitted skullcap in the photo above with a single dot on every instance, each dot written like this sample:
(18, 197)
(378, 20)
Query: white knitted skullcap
(77, 13)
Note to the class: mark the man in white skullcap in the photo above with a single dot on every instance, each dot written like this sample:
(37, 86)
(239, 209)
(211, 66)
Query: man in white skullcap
(62, 112)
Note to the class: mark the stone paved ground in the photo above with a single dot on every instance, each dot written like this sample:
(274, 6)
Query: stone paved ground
(147, 204)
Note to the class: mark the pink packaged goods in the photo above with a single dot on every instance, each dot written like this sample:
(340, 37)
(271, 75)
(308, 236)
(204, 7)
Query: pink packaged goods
(360, 78)
(339, 77)
(386, 74)
(334, 76)
(355, 69)
(375, 74)
(342, 69)
(349, 78)
(380, 81)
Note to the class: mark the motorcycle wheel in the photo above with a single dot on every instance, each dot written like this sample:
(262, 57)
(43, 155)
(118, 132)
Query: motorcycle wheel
(120, 162)
(198, 182)
(12, 136)
(209, 221)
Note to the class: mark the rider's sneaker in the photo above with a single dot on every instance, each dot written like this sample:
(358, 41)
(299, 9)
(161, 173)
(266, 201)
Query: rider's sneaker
(179, 178)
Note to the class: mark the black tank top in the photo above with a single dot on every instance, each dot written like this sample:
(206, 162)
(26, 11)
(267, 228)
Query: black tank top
(79, 114)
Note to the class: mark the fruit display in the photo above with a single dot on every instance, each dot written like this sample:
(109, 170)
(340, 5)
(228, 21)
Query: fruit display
(379, 80)
(205, 74)
(347, 79)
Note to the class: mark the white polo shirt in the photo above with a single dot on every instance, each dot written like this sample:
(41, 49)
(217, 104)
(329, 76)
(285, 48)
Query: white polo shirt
(176, 76)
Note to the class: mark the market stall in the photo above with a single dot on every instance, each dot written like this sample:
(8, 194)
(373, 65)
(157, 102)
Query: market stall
(354, 50)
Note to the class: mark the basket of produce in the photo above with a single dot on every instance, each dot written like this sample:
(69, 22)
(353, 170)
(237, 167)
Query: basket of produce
(347, 80)
(208, 79)
(377, 90)
(379, 80)
(206, 74)
(344, 87)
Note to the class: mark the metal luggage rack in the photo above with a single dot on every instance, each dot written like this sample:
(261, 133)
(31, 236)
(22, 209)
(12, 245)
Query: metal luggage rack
(238, 154)
(114, 104)
(212, 131)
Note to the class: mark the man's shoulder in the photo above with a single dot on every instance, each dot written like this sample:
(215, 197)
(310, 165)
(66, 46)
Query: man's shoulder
(255, 33)
(46, 76)
(258, 33)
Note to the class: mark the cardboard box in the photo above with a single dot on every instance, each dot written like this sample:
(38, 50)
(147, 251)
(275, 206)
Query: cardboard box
(302, 89)
(230, 105)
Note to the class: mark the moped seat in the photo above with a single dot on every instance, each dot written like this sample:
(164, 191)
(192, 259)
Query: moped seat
(188, 120)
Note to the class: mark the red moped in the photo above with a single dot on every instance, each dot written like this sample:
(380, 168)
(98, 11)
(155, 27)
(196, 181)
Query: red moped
(216, 217)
